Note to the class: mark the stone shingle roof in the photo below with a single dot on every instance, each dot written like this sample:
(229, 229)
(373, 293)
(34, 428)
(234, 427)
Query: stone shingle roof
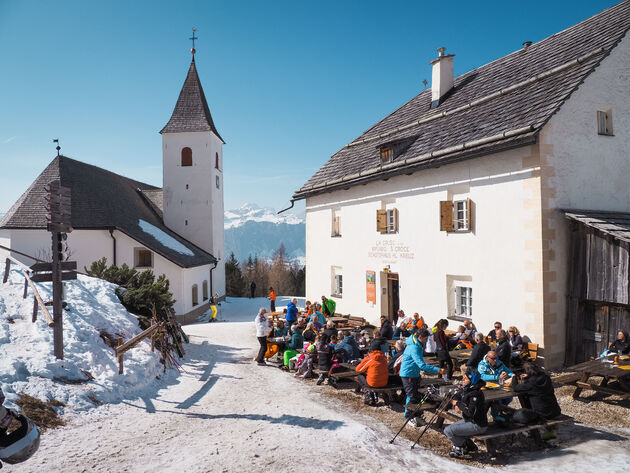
(501, 105)
(191, 110)
(102, 200)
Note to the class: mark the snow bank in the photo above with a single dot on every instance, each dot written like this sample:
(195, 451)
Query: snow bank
(27, 363)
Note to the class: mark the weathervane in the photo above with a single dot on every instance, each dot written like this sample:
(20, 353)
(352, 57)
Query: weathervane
(193, 41)
(56, 140)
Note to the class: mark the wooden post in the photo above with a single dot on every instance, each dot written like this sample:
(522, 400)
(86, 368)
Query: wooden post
(25, 287)
(120, 357)
(57, 286)
(35, 304)
(7, 268)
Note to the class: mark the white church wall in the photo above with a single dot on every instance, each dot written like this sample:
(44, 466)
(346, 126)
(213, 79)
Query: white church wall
(193, 204)
(500, 259)
(582, 170)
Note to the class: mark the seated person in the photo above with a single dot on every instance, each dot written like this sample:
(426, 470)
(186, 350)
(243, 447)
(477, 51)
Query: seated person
(453, 339)
(317, 325)
(349, 349)
(387, 331)
(503, 349)
(621, 346)
(280, 330)
(380, 339)
(471, 330)
(478, 352)
(537, 385)
(402, 326)
(309, 334)
(491, 369)
(396, 359)
(417, 322)
(318, 312)
(373, 373)
(330, 329)
(471, 404)
(516, 341)
(291, 348)
(492, 334)
(463, 343)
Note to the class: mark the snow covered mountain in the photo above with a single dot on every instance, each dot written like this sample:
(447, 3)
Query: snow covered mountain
(252, 230)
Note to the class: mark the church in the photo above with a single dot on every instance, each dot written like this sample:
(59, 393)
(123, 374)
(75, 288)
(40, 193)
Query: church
(460, 203)
(176, 230)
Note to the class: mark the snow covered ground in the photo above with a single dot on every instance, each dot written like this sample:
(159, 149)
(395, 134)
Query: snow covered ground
(27, 364)
(225, 413)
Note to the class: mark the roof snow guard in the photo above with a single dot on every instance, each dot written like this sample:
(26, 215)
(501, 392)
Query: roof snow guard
(191, 110)
(498, 106)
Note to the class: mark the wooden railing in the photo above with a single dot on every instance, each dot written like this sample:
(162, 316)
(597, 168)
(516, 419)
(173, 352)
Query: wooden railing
(129, 344)
(38, 302)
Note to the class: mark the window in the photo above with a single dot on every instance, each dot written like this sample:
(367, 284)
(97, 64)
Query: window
(456, 216)
(336, 224)
(186, 222)
(143, 258)
(604, 122)
(336, 281)
(217, 182)
(186, 156)
(204, 290)
(216, 160)
(387, 154)
(463, 301)
(387, 220)
(195, 295)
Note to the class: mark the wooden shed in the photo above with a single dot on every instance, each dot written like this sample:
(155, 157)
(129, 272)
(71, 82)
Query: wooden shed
(598, 303)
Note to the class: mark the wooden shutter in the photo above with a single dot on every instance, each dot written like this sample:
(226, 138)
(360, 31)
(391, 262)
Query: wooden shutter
(381, 221)
(395, 220)
(446, 216)
(337, 226)
(469, 215)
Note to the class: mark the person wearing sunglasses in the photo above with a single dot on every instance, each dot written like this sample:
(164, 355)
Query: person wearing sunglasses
(492, 369)
(492, 334)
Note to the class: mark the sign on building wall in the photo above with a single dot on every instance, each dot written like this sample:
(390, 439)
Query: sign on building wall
(370, 286)
(390, 251)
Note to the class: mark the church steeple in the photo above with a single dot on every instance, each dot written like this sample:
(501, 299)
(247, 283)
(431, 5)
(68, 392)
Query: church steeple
(191, 110)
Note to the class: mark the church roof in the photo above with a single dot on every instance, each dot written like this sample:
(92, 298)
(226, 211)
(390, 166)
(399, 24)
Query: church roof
(101, 200)
(498, 106)
(191, 110)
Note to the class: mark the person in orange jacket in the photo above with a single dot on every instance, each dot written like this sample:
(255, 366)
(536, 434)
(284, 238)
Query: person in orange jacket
(373, 372)
(272, 299)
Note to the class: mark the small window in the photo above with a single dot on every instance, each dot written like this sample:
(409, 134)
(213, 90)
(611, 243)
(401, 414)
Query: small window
(186, 186)
(185, 222)
(204, 290)
(387, 154)
(143, 258)
(604, 123)
(336, 224)
(195, 295)
(456, 216)
(463, 296)
(217, 182)
(337, 281)
(387, 221)
(186, 156)
(216, 160)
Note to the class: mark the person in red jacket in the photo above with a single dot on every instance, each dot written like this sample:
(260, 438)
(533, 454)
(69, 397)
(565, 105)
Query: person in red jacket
(272, 299)
(373, 372)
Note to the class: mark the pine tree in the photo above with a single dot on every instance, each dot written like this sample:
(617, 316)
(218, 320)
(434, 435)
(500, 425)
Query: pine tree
(234, 281)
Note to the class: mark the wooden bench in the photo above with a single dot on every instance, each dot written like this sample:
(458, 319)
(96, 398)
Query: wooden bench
(566, 378)
(602, 389)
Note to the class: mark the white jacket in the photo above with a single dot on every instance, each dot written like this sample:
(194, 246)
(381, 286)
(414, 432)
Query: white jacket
(263, 326)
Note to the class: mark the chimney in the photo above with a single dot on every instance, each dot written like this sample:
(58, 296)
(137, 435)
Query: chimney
(442, 78)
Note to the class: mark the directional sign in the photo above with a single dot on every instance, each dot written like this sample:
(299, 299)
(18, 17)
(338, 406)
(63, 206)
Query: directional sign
(47, 277)
(65, 265)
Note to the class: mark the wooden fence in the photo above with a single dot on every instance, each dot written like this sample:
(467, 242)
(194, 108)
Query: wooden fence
(37, 302)
(122, 348)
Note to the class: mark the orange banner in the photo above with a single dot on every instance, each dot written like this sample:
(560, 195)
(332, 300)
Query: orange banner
(370, 286)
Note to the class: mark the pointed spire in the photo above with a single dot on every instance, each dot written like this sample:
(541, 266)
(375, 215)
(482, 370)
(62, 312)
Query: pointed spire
(191, 110)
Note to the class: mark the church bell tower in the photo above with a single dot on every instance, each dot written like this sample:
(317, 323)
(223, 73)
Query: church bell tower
(192, 151)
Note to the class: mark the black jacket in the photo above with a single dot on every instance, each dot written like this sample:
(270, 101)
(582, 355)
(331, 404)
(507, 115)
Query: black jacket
(331, 332)
(324, 356)
(539, 389)
(492, 335)
(472, 403)
(309, 335)
(441, 344)
(477, 354)
(621, 347)
(387, 331)
(393, 359)
(504, 351)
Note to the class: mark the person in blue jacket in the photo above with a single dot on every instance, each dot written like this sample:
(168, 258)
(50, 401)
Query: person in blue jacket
(292, 312)
(494, 370)
(412, 364)
(349, 349)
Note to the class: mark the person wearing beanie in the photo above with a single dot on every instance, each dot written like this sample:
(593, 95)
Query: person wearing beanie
(471, 404)
(373, 372)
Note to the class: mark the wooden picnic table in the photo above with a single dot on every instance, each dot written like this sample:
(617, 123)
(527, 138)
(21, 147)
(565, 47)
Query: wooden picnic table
(609, 371)
(338, 319)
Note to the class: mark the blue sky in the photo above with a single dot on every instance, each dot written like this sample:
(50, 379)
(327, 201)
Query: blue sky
(288, 82)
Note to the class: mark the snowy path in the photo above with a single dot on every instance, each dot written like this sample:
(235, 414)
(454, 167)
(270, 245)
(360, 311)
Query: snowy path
(227, 414)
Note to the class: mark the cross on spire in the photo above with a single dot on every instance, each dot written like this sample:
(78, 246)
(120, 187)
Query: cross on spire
(193, 41)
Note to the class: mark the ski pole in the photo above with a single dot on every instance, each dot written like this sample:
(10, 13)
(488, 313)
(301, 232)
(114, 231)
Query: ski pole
(415, 412)
(443, 406)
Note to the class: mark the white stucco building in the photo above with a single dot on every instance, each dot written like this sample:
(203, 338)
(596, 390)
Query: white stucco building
(452, 205)
(176, 231)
